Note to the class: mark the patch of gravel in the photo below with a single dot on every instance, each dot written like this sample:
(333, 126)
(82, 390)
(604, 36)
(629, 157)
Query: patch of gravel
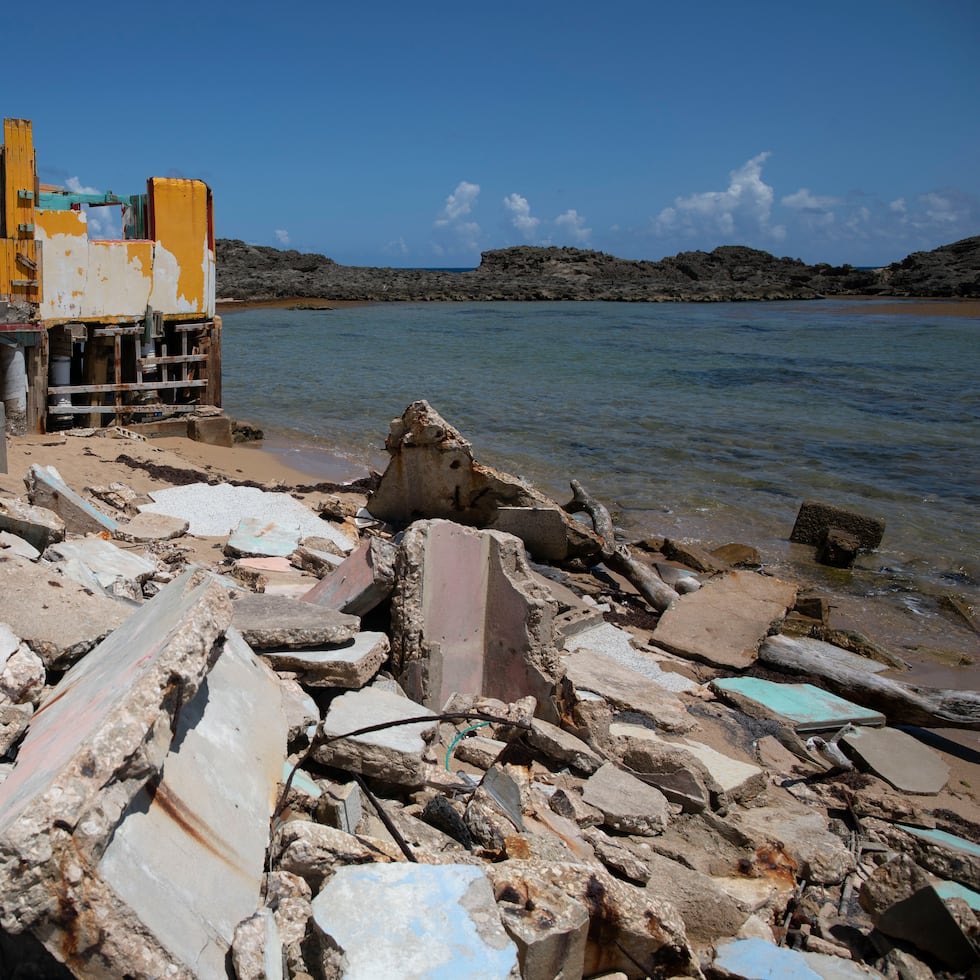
(215, 511)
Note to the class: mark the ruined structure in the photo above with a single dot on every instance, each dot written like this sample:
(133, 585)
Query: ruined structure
(94, 331)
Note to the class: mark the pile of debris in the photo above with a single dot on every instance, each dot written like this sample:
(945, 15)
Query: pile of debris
(448, 728)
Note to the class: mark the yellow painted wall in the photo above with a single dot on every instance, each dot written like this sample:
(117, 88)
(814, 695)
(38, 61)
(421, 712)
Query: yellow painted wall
(18, 159)
(181, 224)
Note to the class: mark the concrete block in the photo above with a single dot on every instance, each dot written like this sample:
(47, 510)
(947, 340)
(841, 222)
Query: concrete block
(560, 746)
(117, 571)
(549, 928)
(468, 617)
(898, 758)
(55, 616)
(351, 666)
(214, 430)
(16, 545)
(391, 754)
(625, 690)
(188, 856)
(724, 621)
(95, 742)
(423, 921)
(257, 537)
(805, 707)
(45, 488)
(432, 474)
(740, 781)
(814, 518)
(627, 805)
(362, 581)
(38, 526)
(542, 529)
(151, 527)
(267, 621)
(837, 548)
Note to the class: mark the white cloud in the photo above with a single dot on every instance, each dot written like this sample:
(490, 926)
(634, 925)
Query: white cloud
(458, 204)
(76, 187)
(744, 208)
(814, 210)
(940, 209)
(451, 219)
(396, 247)
(282, 236)
(572, 225)
(521, 217)
(898, 205)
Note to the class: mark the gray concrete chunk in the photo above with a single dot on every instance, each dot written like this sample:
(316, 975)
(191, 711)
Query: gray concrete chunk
(363, 580)
(151, 527)
(280, 621)
(57, 618)
(626, 690)
(46, 488)
(469, 618)
(392, 754)
(116, 570)
(90, 748)
(814, 519)
(350, 666)
(627, 804)
(899, 759)
(17, 545)
(257, 537)
(188, 856)
(38, 526)
(724, 621)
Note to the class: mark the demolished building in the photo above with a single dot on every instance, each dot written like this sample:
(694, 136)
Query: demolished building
(95, 330)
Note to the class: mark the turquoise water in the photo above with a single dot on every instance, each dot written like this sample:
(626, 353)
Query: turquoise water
(711, 421)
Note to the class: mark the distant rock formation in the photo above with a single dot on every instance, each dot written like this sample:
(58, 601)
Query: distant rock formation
(729, 273)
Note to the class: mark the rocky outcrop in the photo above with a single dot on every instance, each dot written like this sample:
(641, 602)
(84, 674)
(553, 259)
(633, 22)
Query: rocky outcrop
(528, 273)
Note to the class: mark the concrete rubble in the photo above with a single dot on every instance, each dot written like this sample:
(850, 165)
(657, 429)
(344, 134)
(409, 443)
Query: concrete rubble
(467, 750)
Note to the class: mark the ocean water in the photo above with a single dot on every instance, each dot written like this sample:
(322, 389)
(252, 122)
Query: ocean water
(711, 422)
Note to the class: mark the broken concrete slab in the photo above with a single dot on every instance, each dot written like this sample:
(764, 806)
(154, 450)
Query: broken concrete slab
(432, 474)
(91, 746)
(814, 518)
(753, 959)
(38, 526)
(549, 928)
(57, 618)
(46, 488)
(256, 538)
(16, 545)
(630, 928)
(362, 581)
(560, 746)
(22, 674)
(898, 758)
(144, 528)
(944, 854)
(215, 510)
(805, 707)
(740, 781)
(776, 649)
(668, 766)
(117, 571)
(415, 920)
(544, 530)
(820, 855)
(616, 644)
(626, 690)
(468, 617)
(627, 804)
(392, 754)
(724, 621)
(351, 666)
(191, 880)
(267, 621)
(574, 612)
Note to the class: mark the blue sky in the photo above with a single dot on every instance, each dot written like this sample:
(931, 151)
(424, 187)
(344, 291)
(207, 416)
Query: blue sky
(422, 134)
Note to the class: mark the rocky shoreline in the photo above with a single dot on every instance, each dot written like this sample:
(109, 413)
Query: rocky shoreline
(525, 273)
(259, 727)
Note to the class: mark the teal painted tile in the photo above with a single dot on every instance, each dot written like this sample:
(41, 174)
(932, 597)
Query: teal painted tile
(953, 889)
(808, 708)
(941, 837)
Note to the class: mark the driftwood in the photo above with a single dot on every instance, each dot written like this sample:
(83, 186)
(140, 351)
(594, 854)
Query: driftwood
(617, 557)
(900, 703)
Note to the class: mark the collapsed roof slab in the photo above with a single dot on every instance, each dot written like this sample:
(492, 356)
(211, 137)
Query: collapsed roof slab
(91, 746)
